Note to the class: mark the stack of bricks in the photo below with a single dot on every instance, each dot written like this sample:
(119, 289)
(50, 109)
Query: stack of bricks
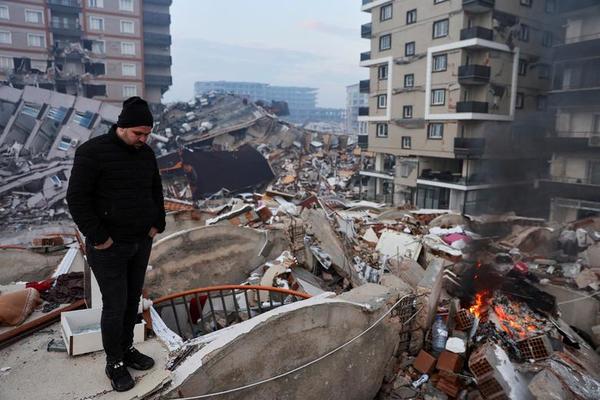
(491, 384)
(449, 364)
(535, 348)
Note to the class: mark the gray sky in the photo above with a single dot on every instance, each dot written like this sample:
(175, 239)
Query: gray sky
(312, 43)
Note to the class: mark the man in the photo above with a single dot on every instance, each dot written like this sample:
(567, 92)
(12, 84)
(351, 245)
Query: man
(115, 197)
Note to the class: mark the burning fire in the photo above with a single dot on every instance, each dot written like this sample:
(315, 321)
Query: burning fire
(514, 321)
(478, 307)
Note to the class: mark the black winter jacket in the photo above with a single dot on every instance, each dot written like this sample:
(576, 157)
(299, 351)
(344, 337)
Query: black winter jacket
(115, 190)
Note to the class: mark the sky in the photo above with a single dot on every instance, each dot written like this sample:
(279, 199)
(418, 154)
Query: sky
(313, 43)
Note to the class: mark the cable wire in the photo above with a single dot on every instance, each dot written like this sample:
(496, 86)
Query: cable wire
(578, 298)
(240, 388)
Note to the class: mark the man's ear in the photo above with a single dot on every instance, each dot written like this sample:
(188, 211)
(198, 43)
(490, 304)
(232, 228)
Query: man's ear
(120, 131)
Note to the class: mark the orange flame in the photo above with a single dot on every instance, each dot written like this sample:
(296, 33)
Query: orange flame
(477, 308)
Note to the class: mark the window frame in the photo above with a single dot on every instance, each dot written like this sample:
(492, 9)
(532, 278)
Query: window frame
(10, 63)
(437, 56)
(98, 3)
(383, 132)
(520, 101)
(100, 19)
(103, 42)
(430, 129)
(5, 7)
(522, 69)
(127, 21)
(34, 11)
(435, 23)
(411, 76)
(121, 8)
(413, 44)
(411, 16)
(380, 76)
(9, 37)
(433, 96)
(134, 69)
(381, 40)
(382, 101)
(406, 142)
(126, 96)
(128, 43)
(526, 3)
(382, 12)
(39, 35)
(405, 114)
(523, 35)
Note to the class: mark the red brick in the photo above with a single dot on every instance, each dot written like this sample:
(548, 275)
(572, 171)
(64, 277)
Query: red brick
(424, 363)
(451, 389)
(450, 362)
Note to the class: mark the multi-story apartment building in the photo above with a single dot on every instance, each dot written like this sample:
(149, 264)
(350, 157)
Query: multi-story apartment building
(355, 99)
(103, 49)
(302, 101)
(573, 182)
(457, 101)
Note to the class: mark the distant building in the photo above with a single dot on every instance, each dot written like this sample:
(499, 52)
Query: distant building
(354, 100)
(302, 101)
(104, 49)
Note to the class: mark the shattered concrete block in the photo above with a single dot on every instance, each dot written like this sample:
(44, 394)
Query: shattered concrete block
(429, 289)
(546, 386)
(408, 270)
(587, 278)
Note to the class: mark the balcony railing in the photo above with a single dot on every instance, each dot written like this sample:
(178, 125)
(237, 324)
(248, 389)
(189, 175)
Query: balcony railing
(157, 39)
(159, 2)
(469, 147)
(472, 107)
(66, 28)
(200, 311)
(363, 111)
(364, 86)
(573, 180)
(158, 80)
(154, 18)
(157, 59)
(366, 30)
(476, 32)
(474, 74)
(478, 6)
(65, 6)
(365, 56)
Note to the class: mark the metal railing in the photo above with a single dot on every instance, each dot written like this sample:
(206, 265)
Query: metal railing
(570, 179)
(65, 3)
(365, 56)
(200, 311)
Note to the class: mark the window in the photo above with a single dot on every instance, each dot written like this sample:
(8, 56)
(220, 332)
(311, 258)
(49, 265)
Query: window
(411, 16)
(520, 103)
(550, 6)
(98, 47)
(64, 145)
(438, 97)
(128, 69)
(435, 131)
(409, 80)
(96, 23)
(5, 37)
(524, 33)
(438, 1)
(129, 91)
(542, 103)
(83, 118)
(406, 142)
(385, 42)
(440, 62)
(407, 112)
(382, 101)
(96, 3)
(36, 40)
(57, 114)
(440, 28)
(128, 48)
(6, 63)
(385, 13)
(526, 3)
(522, 67)
(127, 27)
(382, 72)
(382, 130)
(547, 39)
(34, 16)
(409, 49)
(594, 172)
(4, 14)
(544, 71)
(126, 5)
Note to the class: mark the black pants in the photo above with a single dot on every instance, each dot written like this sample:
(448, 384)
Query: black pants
(120, 271)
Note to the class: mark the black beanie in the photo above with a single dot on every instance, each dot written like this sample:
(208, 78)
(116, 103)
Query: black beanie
(135, 113)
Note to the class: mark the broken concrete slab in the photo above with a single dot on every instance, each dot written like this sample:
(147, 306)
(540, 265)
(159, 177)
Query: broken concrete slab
(587, 278)
(408, 270)
(429, 289)
(546, 386)
(398, 245)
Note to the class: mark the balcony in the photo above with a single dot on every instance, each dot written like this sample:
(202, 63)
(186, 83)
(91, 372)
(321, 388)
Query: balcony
(158, 80)
(157, 59)
(364, 86)
(366, 30)
(577, 47)
(478, 6)
(65, 6)
(365, 56)
(469, 147)
(573, 188)
(574, 97)
(154, 18)
(474, 74)
(159, 2)
(157, 39)
(363, 111)
(363, 141)
(570, 141)
(66, 28)
(477, 32)
(479, 107)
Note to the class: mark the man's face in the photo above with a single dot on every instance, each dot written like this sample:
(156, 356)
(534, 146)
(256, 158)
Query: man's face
(135, 136)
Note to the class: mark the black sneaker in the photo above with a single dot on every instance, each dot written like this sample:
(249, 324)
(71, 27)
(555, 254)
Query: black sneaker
(137, 360)
(120, 379)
